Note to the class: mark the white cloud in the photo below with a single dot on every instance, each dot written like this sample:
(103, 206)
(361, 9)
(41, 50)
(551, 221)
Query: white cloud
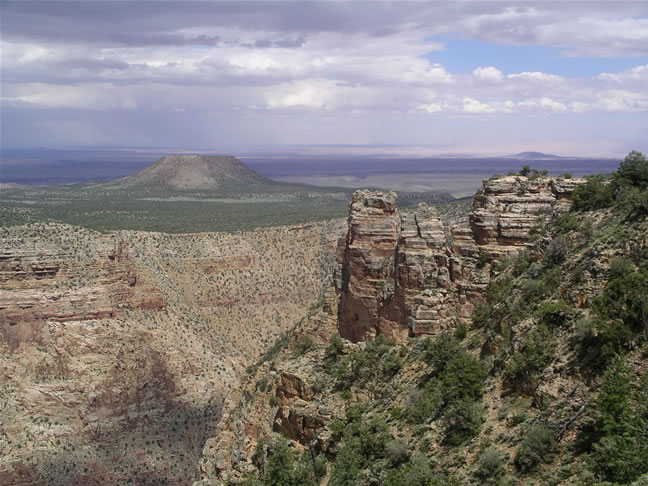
(544, 104)
(431, 107)
(278, 61)
(303, 94)
(489, 74)
(87, 97)
(473, 106)
(638, 73)
(536, 76)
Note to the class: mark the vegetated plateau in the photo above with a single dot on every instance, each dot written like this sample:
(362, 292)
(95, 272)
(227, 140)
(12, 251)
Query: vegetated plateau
(183, 194)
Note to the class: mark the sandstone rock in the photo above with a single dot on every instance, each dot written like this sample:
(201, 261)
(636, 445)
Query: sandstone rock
(390, 260)
(368, 262)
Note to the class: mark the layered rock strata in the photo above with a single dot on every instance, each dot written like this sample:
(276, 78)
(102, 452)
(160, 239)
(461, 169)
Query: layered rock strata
(404, 273)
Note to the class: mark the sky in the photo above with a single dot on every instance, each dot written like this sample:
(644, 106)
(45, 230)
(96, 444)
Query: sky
(446, 77)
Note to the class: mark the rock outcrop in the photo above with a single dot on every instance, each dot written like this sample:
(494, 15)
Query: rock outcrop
(368, 261)
(38, 285)
(404, 273)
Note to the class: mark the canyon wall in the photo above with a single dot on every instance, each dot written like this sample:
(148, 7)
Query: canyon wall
(117, 350)
(404, 274)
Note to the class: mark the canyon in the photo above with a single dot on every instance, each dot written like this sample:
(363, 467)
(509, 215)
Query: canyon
(118, 349)
(152, 358)
(400, 274)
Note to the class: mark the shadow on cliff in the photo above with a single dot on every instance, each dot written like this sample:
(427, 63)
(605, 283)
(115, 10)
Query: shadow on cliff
(166, 452)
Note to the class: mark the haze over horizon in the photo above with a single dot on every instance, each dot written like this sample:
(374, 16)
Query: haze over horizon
(568, 78)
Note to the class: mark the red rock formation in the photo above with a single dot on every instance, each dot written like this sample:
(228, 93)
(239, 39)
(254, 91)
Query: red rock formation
(405, 274)
(368, 263)
(40, 286)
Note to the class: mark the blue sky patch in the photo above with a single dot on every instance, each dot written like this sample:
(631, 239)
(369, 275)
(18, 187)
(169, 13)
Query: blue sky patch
(465, 55)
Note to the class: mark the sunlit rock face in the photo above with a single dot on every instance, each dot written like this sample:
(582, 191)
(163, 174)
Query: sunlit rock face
(404, 274)
(368, 266)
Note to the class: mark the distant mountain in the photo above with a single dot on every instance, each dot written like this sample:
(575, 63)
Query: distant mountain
(534, 156)
(192, 173)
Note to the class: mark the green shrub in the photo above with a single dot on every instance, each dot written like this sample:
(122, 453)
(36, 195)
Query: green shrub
(364, 443)
(625, 298)
(460, 331)
(482, 259)
(437, 351)
(392, 364)
(376, 361)
(557, 250)
(303, 344)
(635, 203)
(335, 347)
(536, 446)
(417, 473)
(347, 467)
(554, 314)
(463, 378)
(423, 405)
(532, 291)
(521, 263)
(633, 171)
(451, 390)
(396, 452)
(596, 193)
(526, 365)
(461, 421)
(279, 466)
(396, 413)
(261, 384)
(620, 316)
(566, 222)
(621, 452)
(626, 189)
(620, 267)
(482, 315)
(490, 465)
(501, 289)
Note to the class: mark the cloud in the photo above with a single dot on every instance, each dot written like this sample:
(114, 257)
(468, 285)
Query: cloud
(639, 73)
(471, 105)
(288, 62)
(305, 94)
(488, 74)
(89, 97)
(543, 104)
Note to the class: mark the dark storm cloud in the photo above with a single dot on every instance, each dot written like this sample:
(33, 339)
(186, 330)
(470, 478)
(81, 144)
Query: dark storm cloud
(153, 23)
(284, 43)
(94, 65)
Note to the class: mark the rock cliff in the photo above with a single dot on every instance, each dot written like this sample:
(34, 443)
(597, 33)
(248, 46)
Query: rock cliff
(118, 349)
(405, 274)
